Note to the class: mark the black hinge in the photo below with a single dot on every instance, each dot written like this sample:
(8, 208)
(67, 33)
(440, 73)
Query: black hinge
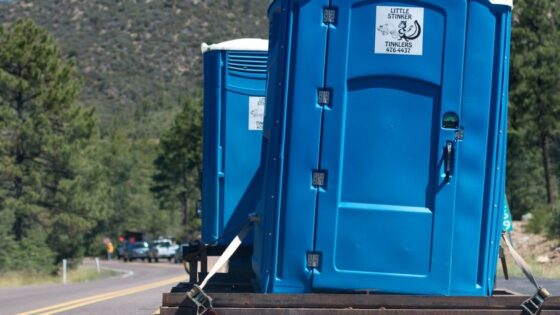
(324, 97)
(313, 260)
(329, 15)
(319, 178)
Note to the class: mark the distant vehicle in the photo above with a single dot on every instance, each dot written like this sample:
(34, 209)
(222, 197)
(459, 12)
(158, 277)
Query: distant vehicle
(162, 248)
(136, 250)
(127, 238)
(179, 254)
(134, 236)
(121, 249)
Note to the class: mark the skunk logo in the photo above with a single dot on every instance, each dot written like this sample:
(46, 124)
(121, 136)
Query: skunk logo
(388, 29)
(409, 32)
(404, 31)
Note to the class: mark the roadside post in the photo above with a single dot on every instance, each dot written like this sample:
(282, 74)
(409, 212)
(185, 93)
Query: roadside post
(64, 270)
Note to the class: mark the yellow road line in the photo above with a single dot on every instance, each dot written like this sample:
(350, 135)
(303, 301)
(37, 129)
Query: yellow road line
(162, 264)
(53, 309)
(166, 265)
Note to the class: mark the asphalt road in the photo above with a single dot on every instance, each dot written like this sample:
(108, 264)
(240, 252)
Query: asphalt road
(138, 291)
(523, 286)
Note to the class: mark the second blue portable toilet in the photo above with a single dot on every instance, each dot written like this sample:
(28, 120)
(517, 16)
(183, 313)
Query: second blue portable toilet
(234, 103)
(385, 139)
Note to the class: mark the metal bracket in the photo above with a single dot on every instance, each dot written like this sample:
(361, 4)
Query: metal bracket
(534, 304)
(313, 260)
(324, 97)
(459, 135)
(200, 299)
(319, 178)
(502, 256)
(193, 253)
(329, 15)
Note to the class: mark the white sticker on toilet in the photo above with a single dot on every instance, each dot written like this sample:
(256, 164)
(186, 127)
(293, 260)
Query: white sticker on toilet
(399, 30)
(256, 112)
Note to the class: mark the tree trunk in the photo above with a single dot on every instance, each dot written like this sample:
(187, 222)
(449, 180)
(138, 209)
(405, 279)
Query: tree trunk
(184, 200)
(549, 177)
(19, 160)
(19, 154)
(186, 211)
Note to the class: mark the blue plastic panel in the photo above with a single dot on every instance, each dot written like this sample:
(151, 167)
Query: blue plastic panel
(234, 90)
(385, 122)
(387, 219)
(291, 145)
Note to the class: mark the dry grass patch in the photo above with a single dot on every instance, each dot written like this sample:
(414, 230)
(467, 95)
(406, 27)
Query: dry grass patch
(81, 274)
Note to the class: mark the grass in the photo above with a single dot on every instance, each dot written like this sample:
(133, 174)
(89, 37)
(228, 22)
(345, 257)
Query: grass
(548, 271)
(81, 274)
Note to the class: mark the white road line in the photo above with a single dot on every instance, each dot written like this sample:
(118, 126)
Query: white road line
(126, 273)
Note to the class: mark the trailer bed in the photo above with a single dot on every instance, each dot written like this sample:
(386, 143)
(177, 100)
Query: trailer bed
(502, 303)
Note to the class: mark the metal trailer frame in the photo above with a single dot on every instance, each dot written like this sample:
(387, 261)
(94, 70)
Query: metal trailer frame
(195, 259)
(502, 303)
(233, 293)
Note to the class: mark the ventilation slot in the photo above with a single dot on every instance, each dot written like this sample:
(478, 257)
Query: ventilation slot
(252, 62)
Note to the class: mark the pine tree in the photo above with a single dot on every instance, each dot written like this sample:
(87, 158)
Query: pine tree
(129, 169)
(179, 162)
(535, 81)
(46, 187)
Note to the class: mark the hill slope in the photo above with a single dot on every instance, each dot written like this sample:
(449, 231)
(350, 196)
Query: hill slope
(137, 53)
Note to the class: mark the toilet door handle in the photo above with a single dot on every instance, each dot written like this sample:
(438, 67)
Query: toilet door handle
(448, 159)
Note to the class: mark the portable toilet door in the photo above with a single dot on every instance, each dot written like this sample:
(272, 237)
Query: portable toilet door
(234, 102)
(410, 162)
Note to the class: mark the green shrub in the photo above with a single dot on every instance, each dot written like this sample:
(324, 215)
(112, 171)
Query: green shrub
(554, 222)
(540, 222)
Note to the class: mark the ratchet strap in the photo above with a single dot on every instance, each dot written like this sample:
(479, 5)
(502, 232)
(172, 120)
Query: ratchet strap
(534, 304)
(197, 295)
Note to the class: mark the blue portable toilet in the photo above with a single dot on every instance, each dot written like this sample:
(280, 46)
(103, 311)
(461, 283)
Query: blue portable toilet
(385, 139)
(234, 103)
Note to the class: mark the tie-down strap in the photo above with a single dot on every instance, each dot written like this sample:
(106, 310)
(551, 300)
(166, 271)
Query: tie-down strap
(534, 304)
